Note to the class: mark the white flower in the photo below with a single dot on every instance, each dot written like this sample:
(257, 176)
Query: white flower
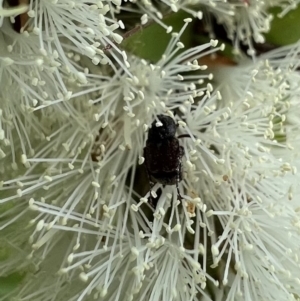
(244, 21)
(83, 163)
(76, 189)
(42, 64)
(166, 85)
(31, 82)
(84, 27)
(258, 221)
(82, 154)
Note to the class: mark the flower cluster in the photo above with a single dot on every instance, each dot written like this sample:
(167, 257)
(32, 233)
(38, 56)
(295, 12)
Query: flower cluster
(75, 213)
(245, 21)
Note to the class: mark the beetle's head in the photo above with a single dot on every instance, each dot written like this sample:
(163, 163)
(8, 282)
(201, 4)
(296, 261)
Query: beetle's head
(166, 130)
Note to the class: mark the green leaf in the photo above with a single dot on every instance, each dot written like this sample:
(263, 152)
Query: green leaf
(285, 30)
(151, 41)
(4, 251)
(9, 283)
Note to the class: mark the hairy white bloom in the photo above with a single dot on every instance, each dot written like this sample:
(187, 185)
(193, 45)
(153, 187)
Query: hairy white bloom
(76, 187)
(57, 35)
(244, 21)
(259, 223)
(79, 172)
(100, 137)
(39, 67)
(84, 27)
(166, 85)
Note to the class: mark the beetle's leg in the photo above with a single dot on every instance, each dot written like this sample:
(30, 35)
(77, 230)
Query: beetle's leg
(151, 184)
(179, 172)
(151, 202)
(178, 179)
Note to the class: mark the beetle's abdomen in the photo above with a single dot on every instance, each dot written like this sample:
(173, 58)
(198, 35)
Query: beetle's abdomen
(168, 178)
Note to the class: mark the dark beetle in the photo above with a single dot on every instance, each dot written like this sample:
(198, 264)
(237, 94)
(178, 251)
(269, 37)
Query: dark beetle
(163, 153)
